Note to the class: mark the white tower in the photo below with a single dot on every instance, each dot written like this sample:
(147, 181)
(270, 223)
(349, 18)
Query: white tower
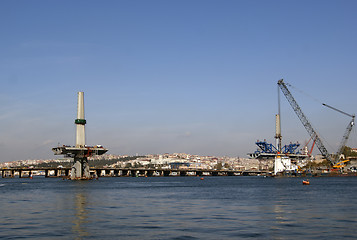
(80, 122)
(278, 133)
(80, 152)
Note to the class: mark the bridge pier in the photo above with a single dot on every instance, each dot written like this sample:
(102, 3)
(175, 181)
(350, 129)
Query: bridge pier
(48, 173)
(106, 173)
(124, 173)
(23, 172)
(149, 173)
(133, 173)
(141, 173)
(8, 173)
(199, 173)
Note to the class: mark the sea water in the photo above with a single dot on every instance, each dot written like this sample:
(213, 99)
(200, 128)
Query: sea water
(179, 208)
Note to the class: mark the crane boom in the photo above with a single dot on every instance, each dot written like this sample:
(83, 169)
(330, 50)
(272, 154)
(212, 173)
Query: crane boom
(313, 134)
(347, 132)
(345, 138)
(352, 116)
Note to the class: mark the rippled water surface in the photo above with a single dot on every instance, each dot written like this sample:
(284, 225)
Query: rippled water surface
(179, 208)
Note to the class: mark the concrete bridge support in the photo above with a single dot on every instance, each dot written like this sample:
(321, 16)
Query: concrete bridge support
(106, 173)
(125, 173)
(98, 172)
(22, 173)
(133, 173)
(199, 173)
(80, 169)
(149, 173)
(7, 173)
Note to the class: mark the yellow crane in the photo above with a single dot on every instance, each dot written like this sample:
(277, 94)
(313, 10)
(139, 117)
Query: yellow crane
(341, 164)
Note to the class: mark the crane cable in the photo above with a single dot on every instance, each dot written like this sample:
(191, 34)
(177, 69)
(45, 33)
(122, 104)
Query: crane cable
(325, 105)
(316, 100)
(304, 93)
(313, 98)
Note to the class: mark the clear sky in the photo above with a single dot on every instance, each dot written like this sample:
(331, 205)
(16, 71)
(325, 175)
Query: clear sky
(194, 76)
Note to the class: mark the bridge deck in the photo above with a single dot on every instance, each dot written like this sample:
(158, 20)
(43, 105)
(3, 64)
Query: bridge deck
(122, 172)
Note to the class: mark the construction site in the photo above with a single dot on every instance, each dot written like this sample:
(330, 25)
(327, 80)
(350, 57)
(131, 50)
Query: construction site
(293, 159)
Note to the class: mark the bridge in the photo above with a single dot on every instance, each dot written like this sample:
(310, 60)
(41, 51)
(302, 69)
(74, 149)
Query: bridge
(123, 172)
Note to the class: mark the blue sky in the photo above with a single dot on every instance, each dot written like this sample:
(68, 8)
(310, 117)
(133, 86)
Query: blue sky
(173, 76)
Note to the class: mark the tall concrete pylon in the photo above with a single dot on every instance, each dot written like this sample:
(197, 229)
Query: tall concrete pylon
(80, 168)
(80, 122)
(80, 152)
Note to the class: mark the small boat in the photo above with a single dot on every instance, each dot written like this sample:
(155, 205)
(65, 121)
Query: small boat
(306, 182)
(202, 178)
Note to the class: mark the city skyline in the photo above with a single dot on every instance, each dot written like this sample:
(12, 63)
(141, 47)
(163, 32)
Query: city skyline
(197, 77)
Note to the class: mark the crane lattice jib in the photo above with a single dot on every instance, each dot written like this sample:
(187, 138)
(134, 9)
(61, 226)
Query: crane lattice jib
(345, 138)
(313, 134)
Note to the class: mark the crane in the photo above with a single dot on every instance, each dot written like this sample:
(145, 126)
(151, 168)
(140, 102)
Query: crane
(312, 147)
(341, 164)
(347, 132)
(313, 134)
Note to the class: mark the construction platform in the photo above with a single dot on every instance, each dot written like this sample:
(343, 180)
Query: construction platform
(85, 151)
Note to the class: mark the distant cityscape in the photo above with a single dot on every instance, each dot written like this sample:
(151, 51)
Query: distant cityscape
(162, 161)
(173, 161)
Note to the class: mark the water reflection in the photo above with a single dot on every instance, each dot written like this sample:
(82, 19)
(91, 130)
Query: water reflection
(81, 216)
(280, 215)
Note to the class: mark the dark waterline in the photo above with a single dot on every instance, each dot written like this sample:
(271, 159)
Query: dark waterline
(179, 208)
